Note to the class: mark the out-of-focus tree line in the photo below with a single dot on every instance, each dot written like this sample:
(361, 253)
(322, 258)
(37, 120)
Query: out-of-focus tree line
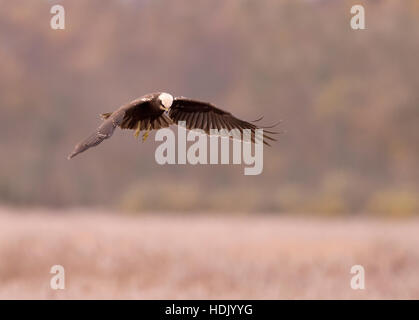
(349, 101)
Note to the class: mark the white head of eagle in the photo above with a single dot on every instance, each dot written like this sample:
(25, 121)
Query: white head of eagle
(166, 100)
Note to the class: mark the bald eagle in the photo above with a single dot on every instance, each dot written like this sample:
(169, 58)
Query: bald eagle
(160, 110)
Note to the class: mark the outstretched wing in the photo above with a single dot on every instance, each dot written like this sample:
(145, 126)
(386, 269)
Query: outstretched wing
(135, 115)
(104, 131)
(205, 116)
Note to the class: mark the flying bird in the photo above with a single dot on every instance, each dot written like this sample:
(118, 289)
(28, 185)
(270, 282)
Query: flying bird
(160, 110)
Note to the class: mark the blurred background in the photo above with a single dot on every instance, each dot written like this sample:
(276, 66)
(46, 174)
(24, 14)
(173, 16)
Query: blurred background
(349, 102)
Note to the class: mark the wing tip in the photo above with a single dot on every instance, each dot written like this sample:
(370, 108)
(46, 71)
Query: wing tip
(71, 155)
(75, 152)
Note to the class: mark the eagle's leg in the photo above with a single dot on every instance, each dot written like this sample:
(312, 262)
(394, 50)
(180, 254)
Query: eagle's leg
(145, 135)
(137, 132)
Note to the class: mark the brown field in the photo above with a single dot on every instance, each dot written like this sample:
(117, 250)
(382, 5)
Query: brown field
(116, 256)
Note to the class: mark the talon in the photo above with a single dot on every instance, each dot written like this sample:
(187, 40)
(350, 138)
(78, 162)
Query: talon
(137, 132)
(145, 135)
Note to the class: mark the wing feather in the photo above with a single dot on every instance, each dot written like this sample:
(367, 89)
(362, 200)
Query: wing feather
(205, 116)
(199, 121)
(126, 117)
(104, 131)
(193, 119)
